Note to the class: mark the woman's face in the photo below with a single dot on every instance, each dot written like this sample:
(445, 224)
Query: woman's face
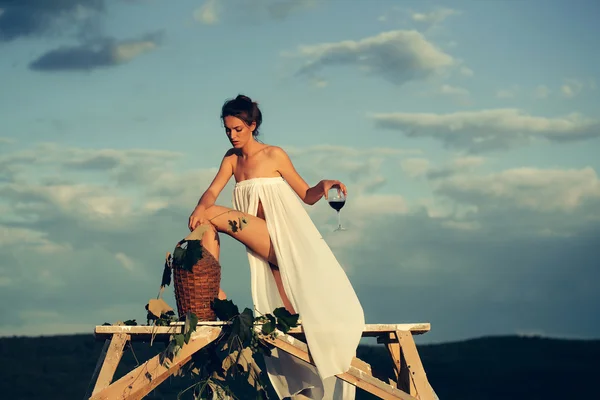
(237, 131)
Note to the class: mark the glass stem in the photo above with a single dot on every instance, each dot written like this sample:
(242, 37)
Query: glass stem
(339, 220)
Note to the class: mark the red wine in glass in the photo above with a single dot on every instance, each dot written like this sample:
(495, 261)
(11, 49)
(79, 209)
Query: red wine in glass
(337, 200)
(337, 204)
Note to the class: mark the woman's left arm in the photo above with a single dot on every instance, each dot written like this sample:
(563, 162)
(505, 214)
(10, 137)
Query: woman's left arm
(309, 195)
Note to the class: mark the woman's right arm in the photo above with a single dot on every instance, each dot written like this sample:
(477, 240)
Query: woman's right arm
(212, 193)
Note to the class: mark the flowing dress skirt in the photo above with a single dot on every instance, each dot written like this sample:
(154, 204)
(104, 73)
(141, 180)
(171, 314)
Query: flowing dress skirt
(331, 315)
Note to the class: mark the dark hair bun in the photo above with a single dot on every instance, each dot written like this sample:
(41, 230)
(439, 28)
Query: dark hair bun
(244, 108)
(241, 97)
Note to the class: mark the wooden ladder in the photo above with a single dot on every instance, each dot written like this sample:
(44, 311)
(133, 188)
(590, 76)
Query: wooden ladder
(411, 381)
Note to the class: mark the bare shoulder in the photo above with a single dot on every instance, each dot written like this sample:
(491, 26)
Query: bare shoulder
(230, 156)
(276, 152)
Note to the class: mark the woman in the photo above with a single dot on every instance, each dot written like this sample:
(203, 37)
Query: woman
(290, 263)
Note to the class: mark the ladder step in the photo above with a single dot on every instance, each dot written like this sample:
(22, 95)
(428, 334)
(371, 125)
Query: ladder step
(359, 373)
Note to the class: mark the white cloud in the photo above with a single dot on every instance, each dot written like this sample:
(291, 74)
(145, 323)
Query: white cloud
(460, 95)
(415, 167)
(69, 220)
(542, 190)
(281, 9)
(453, 90)
(31, 240)
(435, 16)
(127, 51)
(360, 168)
(214, 11)
(468, 161)
(103, 200)
(509, 93)
(571, 88)
(207, 13)
(320, 83)
(380, 204)
(487, 130)
(336, 151)
(466, 71)
(510, 232)
(458, 165)
(127, 262)
(488, 236)
(542, 92)
(462, 225)
(397, 56)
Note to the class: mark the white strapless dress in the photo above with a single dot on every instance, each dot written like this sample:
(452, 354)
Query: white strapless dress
(317, 286)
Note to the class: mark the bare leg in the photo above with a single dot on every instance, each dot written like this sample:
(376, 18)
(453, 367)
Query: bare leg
(254, 235)
(212, 244)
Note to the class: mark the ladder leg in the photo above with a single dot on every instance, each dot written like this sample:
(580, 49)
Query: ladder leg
(403, 381)
(109, 360)
(414, 366)
(142, 380)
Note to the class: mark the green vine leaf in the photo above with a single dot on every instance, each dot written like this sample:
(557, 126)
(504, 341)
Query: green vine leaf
(269, 327)
(243, 326)
(166, 278)
(179, 339)
(186, 257)
(285, 320)
(229, 366)
(191, 322)
(225, 310)
(178, 255)
(193, 253)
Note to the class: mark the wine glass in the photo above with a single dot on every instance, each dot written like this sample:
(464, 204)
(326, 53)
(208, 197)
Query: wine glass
(337, 200)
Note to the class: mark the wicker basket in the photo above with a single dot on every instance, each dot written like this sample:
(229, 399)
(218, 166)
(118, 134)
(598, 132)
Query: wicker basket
(194, 291)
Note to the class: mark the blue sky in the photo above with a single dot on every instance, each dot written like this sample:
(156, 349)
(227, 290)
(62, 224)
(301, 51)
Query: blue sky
(467, 133)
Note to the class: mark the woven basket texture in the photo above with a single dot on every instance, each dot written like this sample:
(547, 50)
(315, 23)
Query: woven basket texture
(194, 291)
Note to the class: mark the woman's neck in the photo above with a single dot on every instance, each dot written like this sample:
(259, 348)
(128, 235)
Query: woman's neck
(250, 148)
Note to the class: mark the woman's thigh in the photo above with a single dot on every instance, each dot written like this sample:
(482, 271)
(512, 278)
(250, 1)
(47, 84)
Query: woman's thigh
(247, 229)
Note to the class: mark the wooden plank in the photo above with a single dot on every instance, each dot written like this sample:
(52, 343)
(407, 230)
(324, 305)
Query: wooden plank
(414, 328)
(111, 361)
(415, 366)
(357, 374)
(142, 329)
(403, 380)
(373, 385)
(142, 380)
(370, 330)
(394, 352)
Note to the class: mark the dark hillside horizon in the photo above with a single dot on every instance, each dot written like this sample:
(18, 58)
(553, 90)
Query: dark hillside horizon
(484, 368)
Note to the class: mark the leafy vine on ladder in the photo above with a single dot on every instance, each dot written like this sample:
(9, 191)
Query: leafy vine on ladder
(228, 366)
